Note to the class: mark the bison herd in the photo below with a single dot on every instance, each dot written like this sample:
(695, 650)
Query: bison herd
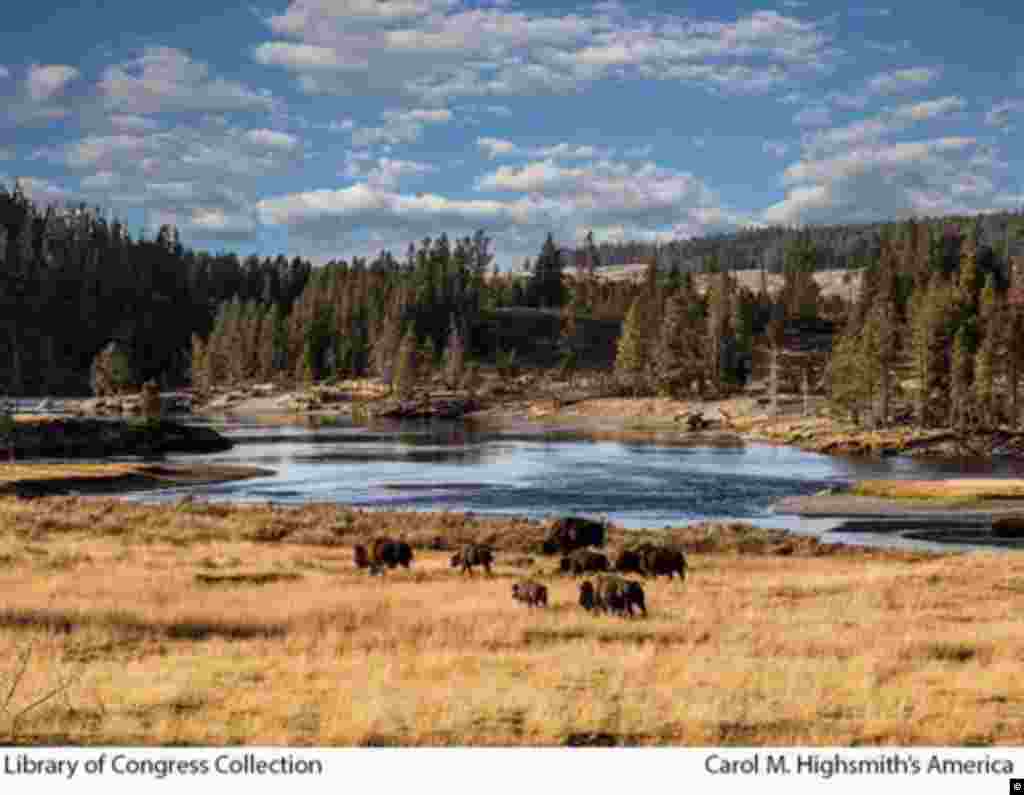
(573, 538)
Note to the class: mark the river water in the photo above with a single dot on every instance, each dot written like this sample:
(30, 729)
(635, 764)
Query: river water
(541, 472)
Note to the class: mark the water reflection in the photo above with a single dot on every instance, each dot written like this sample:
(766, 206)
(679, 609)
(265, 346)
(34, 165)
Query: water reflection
(455, 466)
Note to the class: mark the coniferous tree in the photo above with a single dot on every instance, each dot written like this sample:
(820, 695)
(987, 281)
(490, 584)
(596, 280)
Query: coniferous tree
(631, 360)
(407, 365)
(455, 356)
(960, 381)
(679, 358)
(989, 355)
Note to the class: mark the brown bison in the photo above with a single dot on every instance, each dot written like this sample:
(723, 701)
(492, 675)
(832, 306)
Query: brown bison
(584, 561)
(664, 560)
(532, 593)
(383, 552)
(612, 595)
(473, 555)
(631, 559)
(571, 533)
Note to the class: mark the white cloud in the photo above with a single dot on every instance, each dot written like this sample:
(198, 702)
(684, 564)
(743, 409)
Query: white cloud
(400, 126)
(881, 181)
(442, 48)
(640, 200)
(200, 178)
(923, 111)
(901, 80)
(4, 72)
(499, 147)
(45, 82)
(385, 172)
(132, 123)
(814, 116)
(168, 80)
(1001, 113)
(496, 147)
(272, 139)
(877, 127)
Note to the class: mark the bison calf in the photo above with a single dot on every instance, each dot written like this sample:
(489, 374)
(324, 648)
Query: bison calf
(473, 555)
(532, 593)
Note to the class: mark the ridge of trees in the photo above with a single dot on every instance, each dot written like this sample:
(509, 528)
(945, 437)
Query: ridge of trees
(73, 282)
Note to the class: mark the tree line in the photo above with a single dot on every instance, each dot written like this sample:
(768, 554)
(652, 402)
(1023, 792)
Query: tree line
(73, 282)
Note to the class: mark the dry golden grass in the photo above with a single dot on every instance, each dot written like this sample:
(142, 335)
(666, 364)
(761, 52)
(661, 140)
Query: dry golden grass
(956, 489)
(219, 625)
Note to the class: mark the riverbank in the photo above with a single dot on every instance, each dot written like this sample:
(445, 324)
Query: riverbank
(218, 624)
(44, 480)
(81, 437)
(519, 403)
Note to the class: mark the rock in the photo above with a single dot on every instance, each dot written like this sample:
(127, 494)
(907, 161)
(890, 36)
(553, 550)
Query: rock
(1008, 527)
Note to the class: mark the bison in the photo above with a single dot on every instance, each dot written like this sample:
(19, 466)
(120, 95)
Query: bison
(631, 560)
(383, 552)
(532, 593)
(473, 555)
(664, 560)
(584, 561)
(571, 533)
(612, 595)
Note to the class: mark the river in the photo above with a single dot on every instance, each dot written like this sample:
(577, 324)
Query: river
(540, 472)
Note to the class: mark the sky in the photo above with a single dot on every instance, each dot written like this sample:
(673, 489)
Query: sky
(333, 128)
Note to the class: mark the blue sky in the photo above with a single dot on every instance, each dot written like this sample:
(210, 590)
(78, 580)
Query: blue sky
(329, 128)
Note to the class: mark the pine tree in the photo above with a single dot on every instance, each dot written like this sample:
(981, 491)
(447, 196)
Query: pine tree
(989, 355)
(454, 356)
(960, 377)
(631, 360)
(406, 365)
(199, 369)
(679, 360)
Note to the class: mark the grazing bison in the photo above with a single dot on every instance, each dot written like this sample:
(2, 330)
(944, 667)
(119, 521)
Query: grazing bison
(612, 595)
(532, 593)
(664, 560)
(631, 559)
(473, 555)
(383, 552)
(584, 561)
(571, 533)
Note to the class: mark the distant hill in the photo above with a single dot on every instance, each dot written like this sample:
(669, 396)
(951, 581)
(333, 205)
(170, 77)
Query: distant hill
(839, 247)
(844, 283)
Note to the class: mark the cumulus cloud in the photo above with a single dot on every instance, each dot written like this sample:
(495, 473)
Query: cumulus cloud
(44, 82)
(4, 72)
(814, 116)
(202, 179)
(881, 181)
(641, 200)
(886, 123)
(168, 80)
(437, 49)
(132, 123)
(272, 139)
(400, 126)
(499, 147)
(902, 80)
(385, 172)
(1000, 114)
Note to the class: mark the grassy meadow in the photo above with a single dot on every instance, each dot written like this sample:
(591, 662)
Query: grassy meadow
(200, 623)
